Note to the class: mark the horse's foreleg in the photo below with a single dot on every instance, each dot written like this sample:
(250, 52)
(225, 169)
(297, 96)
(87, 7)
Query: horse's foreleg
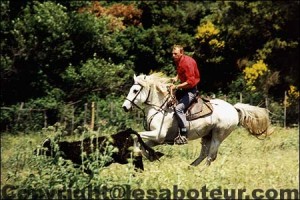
(154, 136)
(151, 143)
(139, 150)
(206, 141)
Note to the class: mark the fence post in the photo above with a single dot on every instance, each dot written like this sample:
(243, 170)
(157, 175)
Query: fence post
(19, 113)
(111, 109)
(45, 118)
(267, 102)
(85, 114)
(93, 116)
(284, 109)
(241, 97)
(72, 120)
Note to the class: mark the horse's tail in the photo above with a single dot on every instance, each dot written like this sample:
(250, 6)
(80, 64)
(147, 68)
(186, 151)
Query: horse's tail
(254, 119)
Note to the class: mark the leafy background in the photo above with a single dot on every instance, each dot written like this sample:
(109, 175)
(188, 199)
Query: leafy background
(54, 54)
(58, 57)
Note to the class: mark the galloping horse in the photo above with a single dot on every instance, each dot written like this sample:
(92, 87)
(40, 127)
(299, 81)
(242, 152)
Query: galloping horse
(161, 124)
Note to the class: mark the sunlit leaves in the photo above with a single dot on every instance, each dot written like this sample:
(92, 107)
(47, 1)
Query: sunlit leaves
(119, 15)
(292, 97)
(206, 31)
(210, 42)
(254, 72)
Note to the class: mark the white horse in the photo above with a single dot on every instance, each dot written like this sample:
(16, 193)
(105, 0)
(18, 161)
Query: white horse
(161, 125)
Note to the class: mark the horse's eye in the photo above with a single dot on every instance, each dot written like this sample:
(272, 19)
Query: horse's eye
(135, 91)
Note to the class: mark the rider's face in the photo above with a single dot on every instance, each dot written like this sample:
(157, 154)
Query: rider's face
(176, 54)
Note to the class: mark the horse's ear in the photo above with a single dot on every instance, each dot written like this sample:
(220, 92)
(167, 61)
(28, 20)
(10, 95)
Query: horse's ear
(139, 81)
(135, 79)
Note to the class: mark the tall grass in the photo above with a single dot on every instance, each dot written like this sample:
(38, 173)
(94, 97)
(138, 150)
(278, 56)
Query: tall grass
(243, 162)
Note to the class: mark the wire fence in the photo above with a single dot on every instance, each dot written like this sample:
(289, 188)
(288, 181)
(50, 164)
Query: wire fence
(94, 115)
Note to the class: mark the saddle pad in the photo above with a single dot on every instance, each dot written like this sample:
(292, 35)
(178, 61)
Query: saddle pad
(199, 109)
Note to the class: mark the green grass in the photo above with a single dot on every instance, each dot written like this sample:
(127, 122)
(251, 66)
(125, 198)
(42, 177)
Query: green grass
(243, 162)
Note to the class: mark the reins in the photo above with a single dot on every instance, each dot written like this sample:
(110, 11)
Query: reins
(159, 108)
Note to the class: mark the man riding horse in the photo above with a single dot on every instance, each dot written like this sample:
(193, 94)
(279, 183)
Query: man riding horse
(189, 76)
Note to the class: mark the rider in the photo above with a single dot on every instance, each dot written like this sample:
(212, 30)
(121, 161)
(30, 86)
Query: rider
(189, 76)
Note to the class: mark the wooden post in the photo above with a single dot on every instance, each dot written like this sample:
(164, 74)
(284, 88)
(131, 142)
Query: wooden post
(267, 102)
(284, 109)
(19, 113)
(241, 97)
(72, 120)
(93, 116)
(85, 114)
(45, 118)
(111, 109)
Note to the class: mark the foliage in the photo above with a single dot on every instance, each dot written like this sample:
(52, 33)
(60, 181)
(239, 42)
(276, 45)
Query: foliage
(243, 162)
(208, 37)
(95, 75)
(55, 173)
(293, 94)
(55, 53)
(120, 15)
(254, 73)
(251, 32)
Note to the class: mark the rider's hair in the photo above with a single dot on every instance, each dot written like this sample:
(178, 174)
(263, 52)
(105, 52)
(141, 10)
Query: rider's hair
(177, 46)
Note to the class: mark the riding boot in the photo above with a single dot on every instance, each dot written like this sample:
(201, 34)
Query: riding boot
(182, 137)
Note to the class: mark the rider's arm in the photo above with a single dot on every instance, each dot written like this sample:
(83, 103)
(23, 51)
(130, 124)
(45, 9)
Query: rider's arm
(182, 85)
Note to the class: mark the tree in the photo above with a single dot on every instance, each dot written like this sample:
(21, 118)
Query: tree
(38, 44)
(95, 76)
(253, 31)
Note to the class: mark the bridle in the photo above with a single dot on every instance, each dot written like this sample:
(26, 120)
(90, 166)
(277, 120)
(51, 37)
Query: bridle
(137, 94)
(134, 104)
(159, 108)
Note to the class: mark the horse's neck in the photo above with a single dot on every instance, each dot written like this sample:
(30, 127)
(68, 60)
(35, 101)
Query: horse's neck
(157, 103)
(157, 99)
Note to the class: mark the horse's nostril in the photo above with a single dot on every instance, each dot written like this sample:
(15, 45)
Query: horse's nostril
(125, 109)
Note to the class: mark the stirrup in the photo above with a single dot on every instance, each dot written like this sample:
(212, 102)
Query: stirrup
(180, 139)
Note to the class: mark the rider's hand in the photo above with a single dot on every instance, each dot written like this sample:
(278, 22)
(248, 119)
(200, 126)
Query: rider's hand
(172, 87)
(172, 100)
(173, 80)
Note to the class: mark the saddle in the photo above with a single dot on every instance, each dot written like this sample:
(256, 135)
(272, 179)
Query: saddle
(200, 107)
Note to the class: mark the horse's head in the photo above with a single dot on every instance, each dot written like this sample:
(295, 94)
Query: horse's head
(138, 93)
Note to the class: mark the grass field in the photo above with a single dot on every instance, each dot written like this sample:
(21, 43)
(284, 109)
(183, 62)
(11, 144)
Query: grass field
(245, 166)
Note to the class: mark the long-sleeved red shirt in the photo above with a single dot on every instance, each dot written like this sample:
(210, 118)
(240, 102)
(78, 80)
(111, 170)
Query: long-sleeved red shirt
(187, 71)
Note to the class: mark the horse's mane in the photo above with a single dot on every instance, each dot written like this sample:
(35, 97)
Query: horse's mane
(154, 78)
(158, 81)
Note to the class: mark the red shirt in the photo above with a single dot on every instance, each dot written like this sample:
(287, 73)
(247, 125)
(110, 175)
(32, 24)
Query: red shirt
(187, 71)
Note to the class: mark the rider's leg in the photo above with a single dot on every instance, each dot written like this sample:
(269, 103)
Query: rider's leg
(180, 109)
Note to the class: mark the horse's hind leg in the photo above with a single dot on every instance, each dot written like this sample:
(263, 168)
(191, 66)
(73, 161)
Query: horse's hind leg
(206, 141)
(217, 138)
